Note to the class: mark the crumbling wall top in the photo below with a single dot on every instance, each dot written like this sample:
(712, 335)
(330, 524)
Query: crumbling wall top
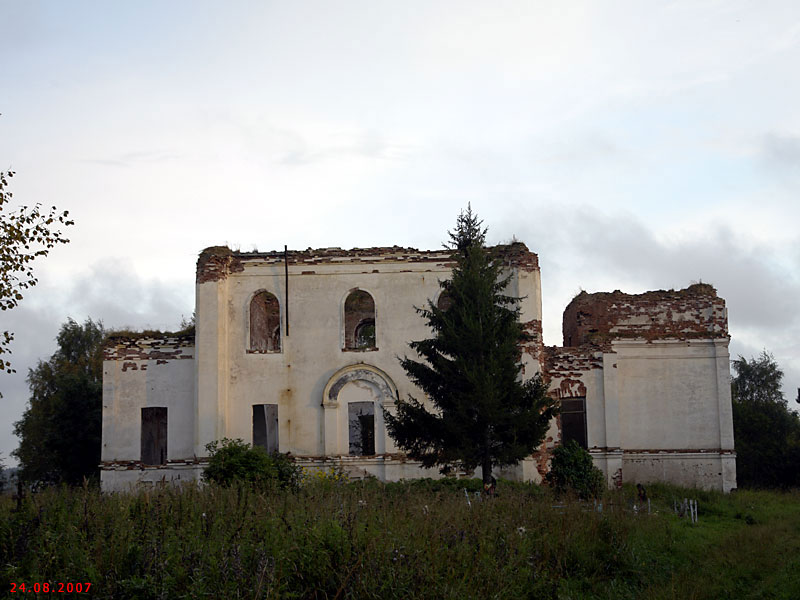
(691, 313)
(217, 262)
(516, 254)
(149, 345)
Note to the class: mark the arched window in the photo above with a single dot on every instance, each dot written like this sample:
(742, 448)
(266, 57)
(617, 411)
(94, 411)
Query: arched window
(265, 323)
(444, 301)
(359, 321)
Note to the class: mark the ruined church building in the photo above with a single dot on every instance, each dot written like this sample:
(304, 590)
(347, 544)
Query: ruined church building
(297, 352)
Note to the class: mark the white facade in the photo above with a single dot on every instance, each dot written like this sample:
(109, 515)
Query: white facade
(277, 332)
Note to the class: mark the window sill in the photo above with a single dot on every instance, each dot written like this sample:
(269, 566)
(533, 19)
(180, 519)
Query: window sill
(359, 349)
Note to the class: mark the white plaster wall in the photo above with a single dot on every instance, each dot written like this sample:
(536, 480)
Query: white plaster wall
(126, 480)
(210, 363)
(701, 470)
(125, 393)
(668, 395)
(528, 285)
(385, 468)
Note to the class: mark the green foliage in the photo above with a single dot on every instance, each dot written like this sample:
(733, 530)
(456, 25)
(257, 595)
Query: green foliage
(60, 429)
(25, 235)
(766, 432)
(188, 326)
(323, 478)
(572, 471)
(234, 461)
(484, 413)
(368, 540)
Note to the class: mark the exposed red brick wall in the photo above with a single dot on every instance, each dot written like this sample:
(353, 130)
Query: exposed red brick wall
(216, 263)
(517, 255)
(534, 345)
(568, 366)
(695, 312)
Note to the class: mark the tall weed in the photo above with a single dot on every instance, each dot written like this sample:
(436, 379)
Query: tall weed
(418, 539)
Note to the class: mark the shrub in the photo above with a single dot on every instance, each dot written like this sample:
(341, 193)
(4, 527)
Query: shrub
(332, 476)
(572, 470)
(234, 460)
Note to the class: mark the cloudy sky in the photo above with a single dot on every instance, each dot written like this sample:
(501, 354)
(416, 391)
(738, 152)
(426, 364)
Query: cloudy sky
(632, 145)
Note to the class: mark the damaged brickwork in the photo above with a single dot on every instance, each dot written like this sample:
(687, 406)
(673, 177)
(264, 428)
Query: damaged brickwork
(564, 368)
(533, 346)
(217, 262)
(692, 313)
(133, 349)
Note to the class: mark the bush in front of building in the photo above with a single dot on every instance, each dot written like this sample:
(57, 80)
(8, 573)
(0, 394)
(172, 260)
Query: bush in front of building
(233, 461)
(572, 471)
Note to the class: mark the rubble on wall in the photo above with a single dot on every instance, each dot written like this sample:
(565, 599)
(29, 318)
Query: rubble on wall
(692, 313)
(516, 254)
(216, 262)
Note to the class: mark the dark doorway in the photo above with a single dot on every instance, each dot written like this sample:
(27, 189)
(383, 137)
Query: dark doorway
(265, 426)
(154, 435)
(361, 421)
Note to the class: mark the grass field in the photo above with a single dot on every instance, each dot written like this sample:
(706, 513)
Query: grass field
(408, 540)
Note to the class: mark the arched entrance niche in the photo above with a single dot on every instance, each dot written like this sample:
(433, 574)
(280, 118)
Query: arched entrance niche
(353, 400)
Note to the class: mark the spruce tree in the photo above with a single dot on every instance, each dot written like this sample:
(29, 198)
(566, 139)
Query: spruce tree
(485, 414)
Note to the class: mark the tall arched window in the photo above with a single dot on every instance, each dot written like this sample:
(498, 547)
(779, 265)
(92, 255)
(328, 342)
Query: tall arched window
(265, 323)
(445, 301)
(359, 321)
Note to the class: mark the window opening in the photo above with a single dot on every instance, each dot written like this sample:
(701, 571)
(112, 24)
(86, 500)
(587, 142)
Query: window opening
(265, 426)
(265, 323)
(359, 321)
(573, 420)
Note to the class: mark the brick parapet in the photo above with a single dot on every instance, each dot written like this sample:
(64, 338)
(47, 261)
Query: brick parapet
(693, 313)
(218, 262)
(149, 348)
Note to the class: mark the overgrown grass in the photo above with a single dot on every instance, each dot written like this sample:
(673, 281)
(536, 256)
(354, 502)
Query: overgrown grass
(419, 539)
